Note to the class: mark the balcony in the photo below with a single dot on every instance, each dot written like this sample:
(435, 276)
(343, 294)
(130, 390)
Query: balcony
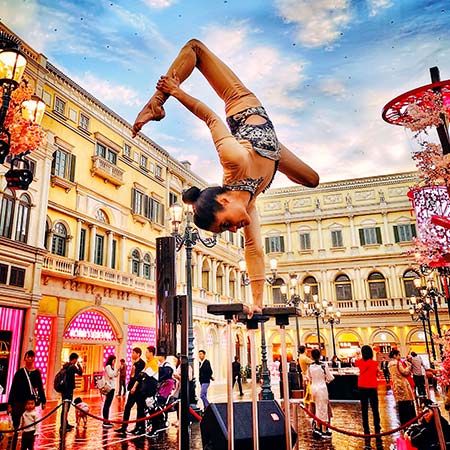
(108, 171)
(143, 285)
(104, 276)
(54, 264)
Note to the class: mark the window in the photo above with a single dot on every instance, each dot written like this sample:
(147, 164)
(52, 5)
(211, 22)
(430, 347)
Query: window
(127, 150)
(59, 240)
(7, 214)
(147, 267)
(17, 277)
(47, 97)
(274, 244)
(106, 153)
(114, 254)
(23, 218)
(242, 241)
(408, 282)
(173, 198)
(336, 239)
(377, 285)
(60, 106)
(230, 237)
(404, 233)
(137, 202)
(98, 253)
(143, 162)
(73, 115)
(343, 287)
(82, 250)
(305, 241)
(3, 273)
(84, 122)
(135, 262)
(63, 164)
(368, 236)
(158, 171)
(314, 287)
(205, 279)
(153, 210)
(278, 297)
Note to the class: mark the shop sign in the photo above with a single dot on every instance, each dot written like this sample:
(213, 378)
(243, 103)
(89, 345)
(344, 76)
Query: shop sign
(91, 334)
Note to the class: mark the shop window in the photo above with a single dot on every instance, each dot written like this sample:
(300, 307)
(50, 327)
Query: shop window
(7, 214)
(336, 239)
(305, 241)
(82, 250)
(17, 277)
(135, 262)
(314, 286)
(3, 273)
(106, 153)
(343, 287)
(23, 218)
(377, 285)
(63, 164)
(59, 240)
(404, 233)
(98, 253)
(147, 267)
(408, 282)
(275, 244)
(370, 236)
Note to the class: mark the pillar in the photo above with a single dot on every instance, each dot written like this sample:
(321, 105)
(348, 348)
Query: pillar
(109, 252)
(93, 232)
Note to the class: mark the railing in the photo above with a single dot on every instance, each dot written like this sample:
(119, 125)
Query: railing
(59, 264)
(107, 170)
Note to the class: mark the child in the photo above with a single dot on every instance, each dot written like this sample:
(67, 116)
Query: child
(29, 417)
(80, 411)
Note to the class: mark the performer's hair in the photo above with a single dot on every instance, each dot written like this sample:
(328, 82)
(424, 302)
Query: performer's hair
(205, 204)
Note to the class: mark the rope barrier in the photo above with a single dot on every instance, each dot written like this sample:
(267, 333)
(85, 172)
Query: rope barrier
(360, 435)
(126, 422)
(197, 416)
(16, 430)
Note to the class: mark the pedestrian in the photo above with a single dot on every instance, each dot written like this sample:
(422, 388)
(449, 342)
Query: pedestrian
(137, 367)
(418, 372)
(250, 154)
(385, 370)
(28, 423)
(71, 368)
(304, 361)
(177, 389)
(110, 383)
(399, 372)
(236, 365)
(319, 376)
(368, 390)
(122, 378)
(205, 375)
(26, 384)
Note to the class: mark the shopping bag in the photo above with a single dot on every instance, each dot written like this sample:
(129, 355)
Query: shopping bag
(404, 444)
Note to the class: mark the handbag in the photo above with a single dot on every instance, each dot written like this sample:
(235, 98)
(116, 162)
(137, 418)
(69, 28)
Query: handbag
(103, 386)
(33, 391)
(404, 444)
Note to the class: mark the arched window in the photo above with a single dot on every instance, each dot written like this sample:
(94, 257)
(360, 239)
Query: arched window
(343, 287)
(408, 282)
(219, 280)
(314, 286)
(59, 240)
(278, 297)
(135, 262)
(7, 214)
(206, 277)
(377, 285)
(147, 267)
(23, 218)
(101, 216)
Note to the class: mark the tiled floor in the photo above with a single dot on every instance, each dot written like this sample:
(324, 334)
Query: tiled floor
(346, 415)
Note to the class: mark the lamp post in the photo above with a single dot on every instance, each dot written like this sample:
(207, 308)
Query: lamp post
(317, 309)
(332, 318)
(421, 311)
(293, 300)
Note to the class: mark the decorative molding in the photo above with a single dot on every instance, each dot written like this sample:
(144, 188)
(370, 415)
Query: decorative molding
(364, 195)
(332, 199)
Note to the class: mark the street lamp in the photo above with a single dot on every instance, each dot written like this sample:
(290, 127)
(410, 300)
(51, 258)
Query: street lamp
(293, 300)
(421, 311)
(332, 318)
(317, 309)
(245, 280)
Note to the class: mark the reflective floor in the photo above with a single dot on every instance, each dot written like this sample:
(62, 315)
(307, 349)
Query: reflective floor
(345, 415)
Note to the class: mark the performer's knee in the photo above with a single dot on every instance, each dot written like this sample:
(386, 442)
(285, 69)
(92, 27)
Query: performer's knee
(194, 44)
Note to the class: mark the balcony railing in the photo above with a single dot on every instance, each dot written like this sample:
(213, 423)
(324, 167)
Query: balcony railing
(60, 264)
(106, 170)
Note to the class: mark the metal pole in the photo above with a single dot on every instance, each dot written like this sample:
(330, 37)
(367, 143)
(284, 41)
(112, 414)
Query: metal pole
(230, 409)
(183, 439)
(431, 337)
(441, 129)
(437, 421)
(190, 336)
(318, 333)
(62, 435)
(284, 374)
(332, 336)
(266, 391)
(438, 324)
(422, 319)
(255, 425)
(297, 330)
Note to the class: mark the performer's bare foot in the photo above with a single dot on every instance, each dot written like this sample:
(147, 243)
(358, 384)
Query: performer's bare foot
(151, 111)
(254, 309)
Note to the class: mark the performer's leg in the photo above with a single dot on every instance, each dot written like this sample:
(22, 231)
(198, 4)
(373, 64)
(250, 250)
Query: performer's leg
(296, 170)
(221, 78)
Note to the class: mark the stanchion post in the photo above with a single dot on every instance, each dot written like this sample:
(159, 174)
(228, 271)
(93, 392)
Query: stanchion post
(230, 409)
(284, 374)
(252, 326)
(183, 437)
(62, 434)
(437, 421)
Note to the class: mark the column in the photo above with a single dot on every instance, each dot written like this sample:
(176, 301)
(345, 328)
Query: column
(92, 234)
(387, 236)
(110, 248)
(213, 287)
(289, 237)
(59, 333)
(319, 231)
(123, 254)
(30, 325)
(124, 342)
(226, 290)
(394, 283)
(77, 239)
(326, 286)
(353, 231)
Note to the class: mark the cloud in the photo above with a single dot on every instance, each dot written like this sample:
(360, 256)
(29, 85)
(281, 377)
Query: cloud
(375, 6)
(333, 88)
(108, 92)
(159, 4)
(319, 22)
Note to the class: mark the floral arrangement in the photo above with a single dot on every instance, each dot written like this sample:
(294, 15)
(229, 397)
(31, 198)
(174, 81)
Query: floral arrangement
(426, 113)
(25, 135)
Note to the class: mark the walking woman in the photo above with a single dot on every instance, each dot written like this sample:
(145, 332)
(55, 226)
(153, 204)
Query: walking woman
(110, 382)
(250, 154)
(319, 375)
(368, 389)
(400, 371)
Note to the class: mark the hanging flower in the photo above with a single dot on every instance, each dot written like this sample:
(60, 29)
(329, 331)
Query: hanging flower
(444, 375)
(425, 112)
(25, 135)
(433, 167)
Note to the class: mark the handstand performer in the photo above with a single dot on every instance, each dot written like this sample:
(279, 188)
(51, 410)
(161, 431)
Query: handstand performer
(250, 155)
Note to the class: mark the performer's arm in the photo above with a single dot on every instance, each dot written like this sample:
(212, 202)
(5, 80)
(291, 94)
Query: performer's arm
(254, 257)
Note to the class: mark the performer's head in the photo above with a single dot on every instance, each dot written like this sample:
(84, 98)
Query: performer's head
(216, 209)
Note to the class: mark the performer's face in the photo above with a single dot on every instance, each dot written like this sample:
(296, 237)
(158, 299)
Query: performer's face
(231, 218)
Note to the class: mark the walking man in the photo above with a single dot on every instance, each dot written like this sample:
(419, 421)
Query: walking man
(122, 378)
(205, 377)
(73, 367)
(136, 369)
(237, 374)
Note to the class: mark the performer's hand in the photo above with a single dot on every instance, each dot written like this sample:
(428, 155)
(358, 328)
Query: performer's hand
(168, 85)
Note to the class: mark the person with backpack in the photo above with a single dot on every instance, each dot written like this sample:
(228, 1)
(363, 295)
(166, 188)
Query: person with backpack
(65, 384)
(110, 375)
